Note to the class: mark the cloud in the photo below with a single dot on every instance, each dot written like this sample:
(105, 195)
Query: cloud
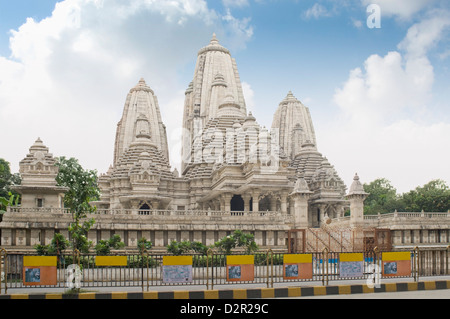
(68, 75)
(384, 104)
(317, 11)
(402, 9)
(249, 96)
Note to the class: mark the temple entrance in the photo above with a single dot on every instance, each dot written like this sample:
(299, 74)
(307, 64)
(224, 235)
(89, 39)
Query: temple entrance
(296, 241)
(237, 204)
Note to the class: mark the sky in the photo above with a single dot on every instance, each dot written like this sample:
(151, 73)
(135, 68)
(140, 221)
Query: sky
(373, 73)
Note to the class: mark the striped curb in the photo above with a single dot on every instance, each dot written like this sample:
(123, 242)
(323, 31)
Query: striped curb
(254, 293)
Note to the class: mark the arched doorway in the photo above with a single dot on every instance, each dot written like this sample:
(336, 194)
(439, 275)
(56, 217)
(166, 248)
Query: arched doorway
(237, 204)
(264, 204)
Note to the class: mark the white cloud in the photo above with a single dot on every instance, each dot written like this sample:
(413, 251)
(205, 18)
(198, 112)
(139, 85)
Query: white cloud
(317, 11)
(403, 9)
(249, 96)
(68, 75)
(383, 104)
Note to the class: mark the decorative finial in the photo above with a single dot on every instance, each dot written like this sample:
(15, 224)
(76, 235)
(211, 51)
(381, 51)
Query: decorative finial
(214, 39)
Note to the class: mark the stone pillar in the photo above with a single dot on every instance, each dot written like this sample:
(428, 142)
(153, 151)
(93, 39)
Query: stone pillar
(6, 237)
(300, 197)
(49, 234)
(246, 199)
(159, 238)
(301, 210)
(284, 204)
(356, 196)
(226, 202)
(255, 196)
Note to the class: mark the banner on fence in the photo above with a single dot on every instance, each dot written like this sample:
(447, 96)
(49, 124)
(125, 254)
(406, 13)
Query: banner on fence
(297, 266)
(111, 261)
(241, 268)
(395, 264)
(39, 270)
(351, 265)
(177, 269)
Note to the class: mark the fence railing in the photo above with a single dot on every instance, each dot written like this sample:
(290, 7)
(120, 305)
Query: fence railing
(145, 270)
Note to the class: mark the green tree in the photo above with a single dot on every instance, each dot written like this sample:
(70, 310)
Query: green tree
(12, 200)
(57, 245)
(432, 197)
(82, 189)
(7, 179)
(143, 245)
(185, 246)
(382, 197)
(179, 248)
(104, 247)
(237, 239)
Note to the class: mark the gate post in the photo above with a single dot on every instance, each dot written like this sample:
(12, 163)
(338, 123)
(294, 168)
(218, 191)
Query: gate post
(416, 263)
(144, 253)
(269, 253)
(209, 253)
(325, 260)
(4, 259)
(446, 255)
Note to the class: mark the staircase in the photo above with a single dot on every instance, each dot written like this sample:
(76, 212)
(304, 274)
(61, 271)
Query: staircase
(338, 240)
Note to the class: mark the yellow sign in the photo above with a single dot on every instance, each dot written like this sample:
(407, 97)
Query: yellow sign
(297, 258)
(343, 257)
(177, 260)
(241, 260)
(403, 255)
(111, 260)
(39, 261)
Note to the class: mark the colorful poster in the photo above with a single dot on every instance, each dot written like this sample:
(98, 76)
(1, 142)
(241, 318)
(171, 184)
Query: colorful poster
(297, 266)
(351, 265)
(39, 270)
(396, 264)
(241, 268)
(177, 269)
(111, 261)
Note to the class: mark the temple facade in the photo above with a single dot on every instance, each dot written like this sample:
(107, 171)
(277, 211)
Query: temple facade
(235, 174)
(229, 162)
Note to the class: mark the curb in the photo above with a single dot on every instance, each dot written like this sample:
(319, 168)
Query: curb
(254, 293)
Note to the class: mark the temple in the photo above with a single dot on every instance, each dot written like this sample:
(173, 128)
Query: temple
(235, 174)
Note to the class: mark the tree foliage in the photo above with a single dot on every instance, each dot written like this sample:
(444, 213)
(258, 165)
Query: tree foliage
(82, 189)
(144, 244)
(431, 197)
(237, 239)
(382, 197)
(82, 184)
(104, 247)
(57, 245)
(7, 179)
(185, 246)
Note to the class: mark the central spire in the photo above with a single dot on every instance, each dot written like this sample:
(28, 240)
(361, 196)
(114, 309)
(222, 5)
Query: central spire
(214, 40)
(216, 77)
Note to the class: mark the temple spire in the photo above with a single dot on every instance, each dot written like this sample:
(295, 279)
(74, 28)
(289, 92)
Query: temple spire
(214, 39)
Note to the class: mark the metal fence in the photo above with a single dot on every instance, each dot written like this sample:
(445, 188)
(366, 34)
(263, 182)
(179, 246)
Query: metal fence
(146, 270)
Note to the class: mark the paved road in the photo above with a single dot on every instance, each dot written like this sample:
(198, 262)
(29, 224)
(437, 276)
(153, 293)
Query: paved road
(435, 294)
(419, 294)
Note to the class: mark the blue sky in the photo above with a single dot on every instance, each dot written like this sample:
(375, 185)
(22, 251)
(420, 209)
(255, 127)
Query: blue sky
(378, 96)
